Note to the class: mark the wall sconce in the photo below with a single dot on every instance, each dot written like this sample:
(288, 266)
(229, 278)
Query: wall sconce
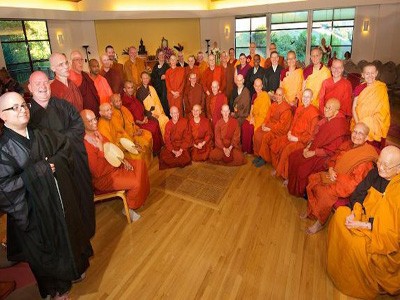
(227, 30)
(365, 27)
(60, 39)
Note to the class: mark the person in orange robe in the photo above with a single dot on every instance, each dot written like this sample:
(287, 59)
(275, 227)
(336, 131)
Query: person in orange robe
(268, 63)
(175, 82)
(201, 63)
(61, 86)
(330, 133)
(193, 95)
(211, 74)
(250, 57)
(214, 103)
(133, 67)
(200, 129)
(337, 87)
(347, 168)
(229, 71)
(276, 124)
(300, 133)
(363, 250)
(136, 108)
(131, 176)
(103, 88)
(191, 68)
(371, 106)
(114, 78)
(177, 142)
(314, 74)
(116, 123)
(292, 81)
(227, 141)
(83, 81)
(258, 111)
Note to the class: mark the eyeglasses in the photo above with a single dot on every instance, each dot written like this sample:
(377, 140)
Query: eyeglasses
(18, 107)
(385, 167)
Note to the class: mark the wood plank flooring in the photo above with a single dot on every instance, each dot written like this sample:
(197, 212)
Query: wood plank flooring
(252, 247)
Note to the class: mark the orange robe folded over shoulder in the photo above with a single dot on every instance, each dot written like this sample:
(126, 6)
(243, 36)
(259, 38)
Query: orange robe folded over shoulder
(292, 85)
(106, 178)
(313, 80)
(340, 90)
(177, 136)
(227, 135)
(351, 164)
(103, 89)
(201, 133)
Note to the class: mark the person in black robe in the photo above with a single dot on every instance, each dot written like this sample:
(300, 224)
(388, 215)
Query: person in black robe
(38, 193)
(272, 75)
(255, 72)
(61, 116)
(158, 81)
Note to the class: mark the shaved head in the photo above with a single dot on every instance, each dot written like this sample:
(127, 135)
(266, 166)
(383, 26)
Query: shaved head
(389, 162)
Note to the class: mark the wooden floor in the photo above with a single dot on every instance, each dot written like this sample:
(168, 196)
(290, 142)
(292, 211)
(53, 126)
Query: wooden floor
(252, 247)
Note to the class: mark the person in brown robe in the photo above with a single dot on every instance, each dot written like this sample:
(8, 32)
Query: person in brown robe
(175, 82)
(347, 168)
(133, 67)
(137, 110)
(115, 64)
(61, 86)
(330, 133)
(114, 77)
(177, 140)
(214, 103)
(229, 71)
(82, 80)
(227, 149)
(276, 124)
(131, 175)
(213, 73)
(202, 135)
(192, 68)
(193, 95)
(240, 101)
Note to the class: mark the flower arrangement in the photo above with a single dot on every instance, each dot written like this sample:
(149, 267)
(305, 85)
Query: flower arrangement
(167, 52)
(217, 53)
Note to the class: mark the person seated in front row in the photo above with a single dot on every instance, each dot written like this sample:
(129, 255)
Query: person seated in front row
(177, 141)
(347, 168)
(333, 130)
(131, 175)
(202, 135)
(227, 141)
(363, 241)
(276, 124)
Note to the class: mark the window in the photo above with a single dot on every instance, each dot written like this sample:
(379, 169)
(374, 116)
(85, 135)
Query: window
(249, 30)
(336, 26)
(26, 47)
(289, 32)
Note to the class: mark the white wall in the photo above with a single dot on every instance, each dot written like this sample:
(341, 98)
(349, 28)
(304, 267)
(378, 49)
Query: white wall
(214, 29)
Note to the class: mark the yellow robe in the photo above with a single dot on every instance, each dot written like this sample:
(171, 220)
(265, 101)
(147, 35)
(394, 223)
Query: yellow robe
(259, 109)
(292, 86)
(360, 261)
(314, 83)
(153, 100)
(373, 109)
(133, 71)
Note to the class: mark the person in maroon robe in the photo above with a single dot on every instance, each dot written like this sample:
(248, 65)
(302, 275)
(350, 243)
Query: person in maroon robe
(62, 87)
(91, 99)
(329, 134)
(193, 95)
(112, 75)
(202, 135)
(214, 103)
(137, 110)
(177, 140)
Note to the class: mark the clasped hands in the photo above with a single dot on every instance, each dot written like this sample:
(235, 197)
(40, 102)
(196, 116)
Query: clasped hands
(265, 128)
(199, 145)
(307, 153)
(227, 151)
(127, 165)
(175, 94)
(351, 223)
(291, 137)
(177, 153)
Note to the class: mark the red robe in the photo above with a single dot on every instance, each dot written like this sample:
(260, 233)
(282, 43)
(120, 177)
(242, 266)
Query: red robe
(227, 134)
(177, 136)
(340, 90)
(327, 139)
(229, 79)
(218, 74)
(192, 96)
(279, 119)
(91, 99)
(115, 79)
(303, 126)
(194, 70)
(214, 106)
(175, 81)
(106, 178)
(201, 132)
(70, 93)
(136, 108)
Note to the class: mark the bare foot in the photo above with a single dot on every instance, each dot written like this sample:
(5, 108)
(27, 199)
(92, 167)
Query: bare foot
(303, 215)
(314, 228)
(285, 183)
(273, 173)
